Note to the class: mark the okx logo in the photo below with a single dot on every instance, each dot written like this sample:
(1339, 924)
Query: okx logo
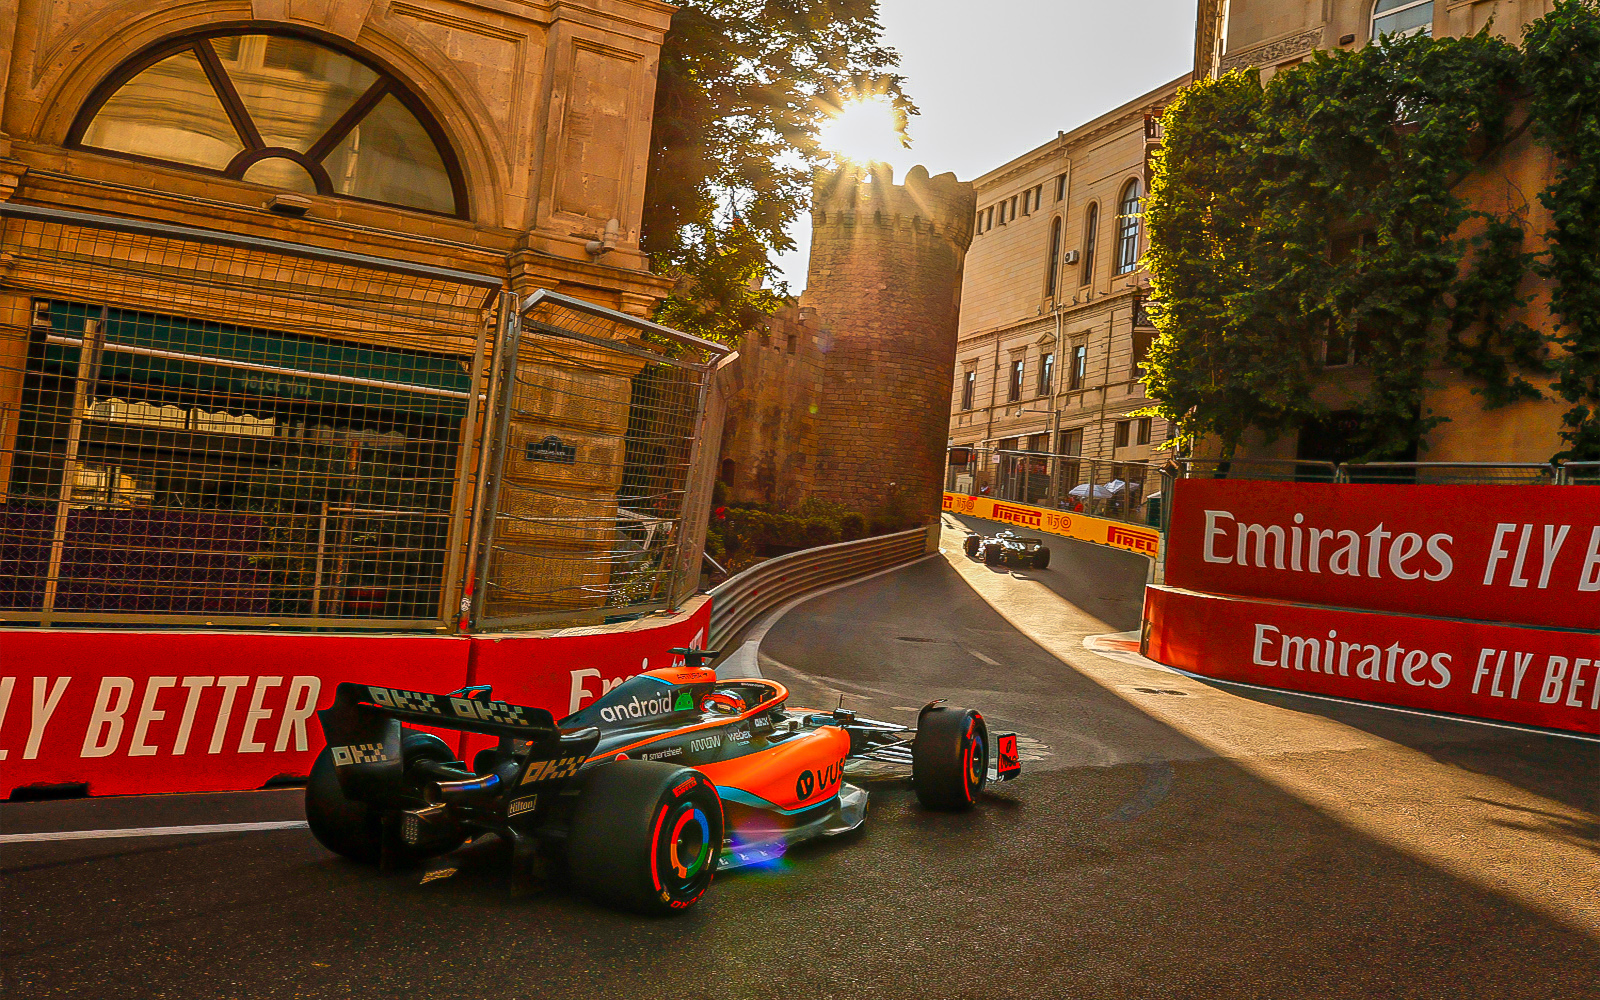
(550, 770)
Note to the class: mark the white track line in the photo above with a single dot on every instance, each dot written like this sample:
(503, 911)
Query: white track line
(151, 831)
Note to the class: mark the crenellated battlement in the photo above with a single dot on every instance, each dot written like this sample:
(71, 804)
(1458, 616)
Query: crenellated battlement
(859, 196)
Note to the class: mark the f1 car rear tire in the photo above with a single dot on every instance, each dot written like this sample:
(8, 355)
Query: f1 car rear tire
(970, 546)
(645, 836)
(1041, 558)
(353, 828)
(950, 758)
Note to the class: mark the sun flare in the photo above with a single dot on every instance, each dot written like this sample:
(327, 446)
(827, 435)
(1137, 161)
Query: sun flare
(866, 130)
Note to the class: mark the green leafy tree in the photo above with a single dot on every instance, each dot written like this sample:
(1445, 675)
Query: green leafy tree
(1321, 208)
(1563, 63)
(744, 88)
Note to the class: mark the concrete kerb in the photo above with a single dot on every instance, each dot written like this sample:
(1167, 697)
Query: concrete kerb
(745, 661)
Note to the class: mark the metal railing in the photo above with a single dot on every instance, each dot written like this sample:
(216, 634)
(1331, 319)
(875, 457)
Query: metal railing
(1400, 473)
(1120, 491)
(741, 600)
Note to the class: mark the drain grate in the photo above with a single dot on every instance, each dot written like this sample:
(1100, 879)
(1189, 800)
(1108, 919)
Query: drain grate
(1180, 694)
(918, 638)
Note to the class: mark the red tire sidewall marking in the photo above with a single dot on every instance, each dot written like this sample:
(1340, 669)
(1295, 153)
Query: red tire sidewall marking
(655, 850)
(966, 757)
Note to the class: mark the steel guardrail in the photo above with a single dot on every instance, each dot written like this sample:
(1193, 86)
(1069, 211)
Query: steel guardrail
(743, 599)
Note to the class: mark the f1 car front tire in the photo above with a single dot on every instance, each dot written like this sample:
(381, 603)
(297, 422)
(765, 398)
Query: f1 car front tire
(353, 828)
(994, 555)
(970, 546)
(950, 758)
(1041, 558)
(645, 836)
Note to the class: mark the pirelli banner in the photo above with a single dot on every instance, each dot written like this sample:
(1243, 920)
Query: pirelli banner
(1117, 534)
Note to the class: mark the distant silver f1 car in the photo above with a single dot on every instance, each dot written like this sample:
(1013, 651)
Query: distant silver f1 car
(1006, 548)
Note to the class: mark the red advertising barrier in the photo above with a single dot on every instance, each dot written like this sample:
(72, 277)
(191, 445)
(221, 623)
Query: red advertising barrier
(1527, 676)
(1523, 554)
(138, 712)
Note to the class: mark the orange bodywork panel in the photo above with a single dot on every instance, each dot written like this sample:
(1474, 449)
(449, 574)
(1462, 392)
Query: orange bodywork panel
(791, 776)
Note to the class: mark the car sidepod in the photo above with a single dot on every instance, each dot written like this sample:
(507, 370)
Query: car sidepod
(791, 790)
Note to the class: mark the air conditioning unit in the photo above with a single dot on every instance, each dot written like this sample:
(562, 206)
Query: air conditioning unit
(1070, 257)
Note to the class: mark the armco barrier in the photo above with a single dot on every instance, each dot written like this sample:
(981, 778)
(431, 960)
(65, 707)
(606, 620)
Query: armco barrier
(744, 598)
(1528, 676)
(125, 712)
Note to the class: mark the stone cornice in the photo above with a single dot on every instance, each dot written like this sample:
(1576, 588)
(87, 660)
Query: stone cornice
(1273, 51)
(1089, 132)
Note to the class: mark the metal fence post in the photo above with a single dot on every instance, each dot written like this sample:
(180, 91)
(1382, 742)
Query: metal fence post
(94, 338)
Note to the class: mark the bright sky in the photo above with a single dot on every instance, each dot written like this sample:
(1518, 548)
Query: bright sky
(996, 78)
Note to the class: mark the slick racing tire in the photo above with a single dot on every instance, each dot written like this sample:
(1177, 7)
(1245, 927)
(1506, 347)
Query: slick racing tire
(970, 546)
(994, 555)
(1041, 558)
(645, 836)
(950, 758)
(354, 829)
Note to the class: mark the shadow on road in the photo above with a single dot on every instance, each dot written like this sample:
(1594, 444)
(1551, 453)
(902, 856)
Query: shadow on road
(1131, 863)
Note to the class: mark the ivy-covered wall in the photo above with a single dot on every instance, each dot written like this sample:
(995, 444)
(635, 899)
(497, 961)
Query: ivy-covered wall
(1429, 207)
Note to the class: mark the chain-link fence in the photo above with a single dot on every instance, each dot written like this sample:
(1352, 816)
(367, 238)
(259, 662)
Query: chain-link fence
(210, 429)
(1123, 491)
(1398, 473)
(201, 428)
(594, 444)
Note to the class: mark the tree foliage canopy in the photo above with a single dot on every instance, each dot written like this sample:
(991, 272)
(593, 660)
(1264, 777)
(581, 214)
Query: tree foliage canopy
(1320, 209)
(1563, 73)
(744, 87)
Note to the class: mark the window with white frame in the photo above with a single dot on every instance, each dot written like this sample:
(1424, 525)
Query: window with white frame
(1402, 18)
(1129, 211)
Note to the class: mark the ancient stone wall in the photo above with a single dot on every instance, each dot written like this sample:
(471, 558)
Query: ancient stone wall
(769, 437)
(885, 280)
(847, 397)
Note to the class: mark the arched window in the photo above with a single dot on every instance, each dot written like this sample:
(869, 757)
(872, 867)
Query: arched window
(1128, 213)
(1402, 17)
(278, 110)
(1091, 228)
(1054, 265)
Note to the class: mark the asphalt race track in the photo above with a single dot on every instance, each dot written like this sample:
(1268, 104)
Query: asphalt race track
(1171, 839)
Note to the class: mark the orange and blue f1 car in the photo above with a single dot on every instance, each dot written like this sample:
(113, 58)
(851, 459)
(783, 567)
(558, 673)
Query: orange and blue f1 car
(639, 798)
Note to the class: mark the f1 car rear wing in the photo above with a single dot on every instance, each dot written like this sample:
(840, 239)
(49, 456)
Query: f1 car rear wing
(457, 710)
(363, 731)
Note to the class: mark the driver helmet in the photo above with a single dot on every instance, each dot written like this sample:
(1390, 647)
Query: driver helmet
(723, 702)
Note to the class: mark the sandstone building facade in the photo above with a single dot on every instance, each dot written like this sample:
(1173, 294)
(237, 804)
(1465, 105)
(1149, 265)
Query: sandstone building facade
(1052, 328)
(844, 397)
(1274, 36)
(281, 424)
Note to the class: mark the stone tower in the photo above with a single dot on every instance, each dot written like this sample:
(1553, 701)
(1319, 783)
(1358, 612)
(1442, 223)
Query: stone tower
(885, 284)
